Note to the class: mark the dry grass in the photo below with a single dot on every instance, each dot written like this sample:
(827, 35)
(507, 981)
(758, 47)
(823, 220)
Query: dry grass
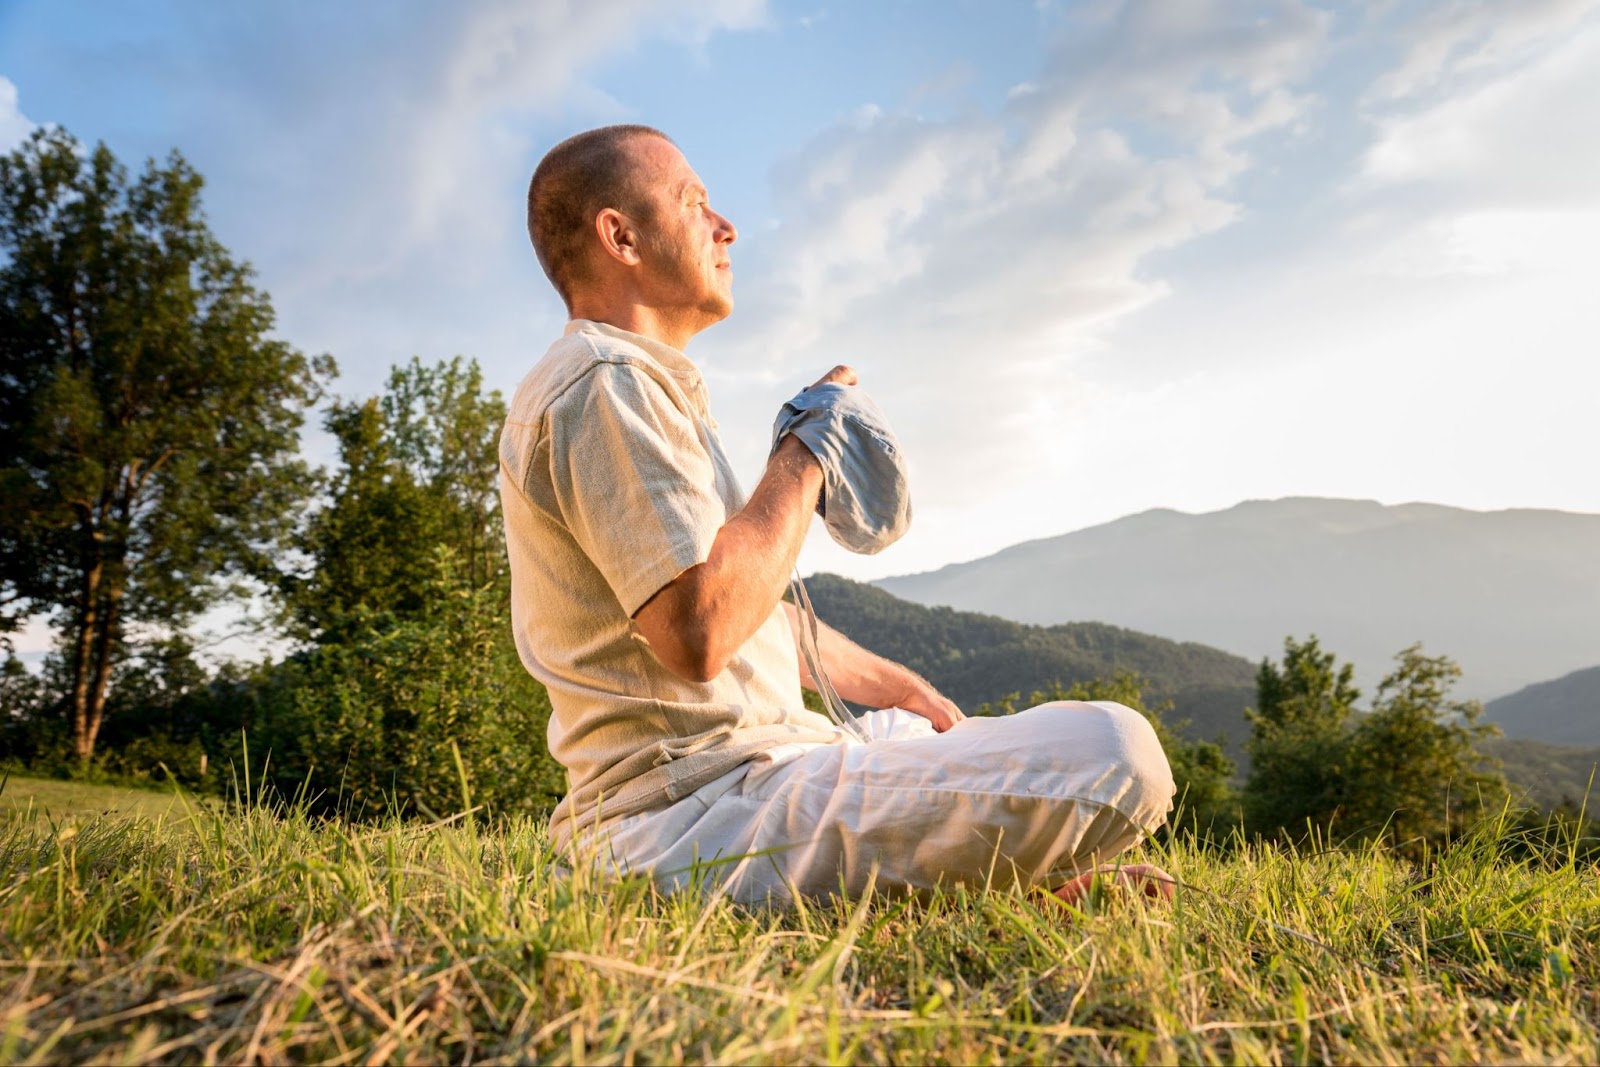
(268, 936)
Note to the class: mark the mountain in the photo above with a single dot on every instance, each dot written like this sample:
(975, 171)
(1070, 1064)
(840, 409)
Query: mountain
(1513, 596)
(1549, 775)
(974, 659)
(1563, 712)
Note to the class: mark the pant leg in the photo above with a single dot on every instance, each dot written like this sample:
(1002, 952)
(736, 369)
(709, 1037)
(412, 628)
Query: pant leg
(1030, 798)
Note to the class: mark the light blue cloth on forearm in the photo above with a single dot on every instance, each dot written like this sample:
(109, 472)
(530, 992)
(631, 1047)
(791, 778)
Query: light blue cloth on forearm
(866, 498)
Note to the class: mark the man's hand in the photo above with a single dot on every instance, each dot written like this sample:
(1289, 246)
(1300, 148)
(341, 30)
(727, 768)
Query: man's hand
(923, 699)
(840, 375)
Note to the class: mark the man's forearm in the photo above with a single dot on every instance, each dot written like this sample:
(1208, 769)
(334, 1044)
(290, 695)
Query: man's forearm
(867, 678)
(698, 621)
(858, 675)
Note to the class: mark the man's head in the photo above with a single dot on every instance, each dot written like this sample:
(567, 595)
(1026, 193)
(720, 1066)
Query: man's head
(619, 209)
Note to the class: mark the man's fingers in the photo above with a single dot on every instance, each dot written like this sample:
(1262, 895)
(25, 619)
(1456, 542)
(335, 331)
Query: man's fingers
(840, 375)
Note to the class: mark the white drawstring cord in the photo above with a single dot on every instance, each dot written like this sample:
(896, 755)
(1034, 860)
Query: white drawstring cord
(837, 711)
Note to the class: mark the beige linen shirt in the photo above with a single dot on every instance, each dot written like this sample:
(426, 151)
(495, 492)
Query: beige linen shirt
(613, 482)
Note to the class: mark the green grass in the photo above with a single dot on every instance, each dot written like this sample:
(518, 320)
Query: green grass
(49, 798)
(269, 936)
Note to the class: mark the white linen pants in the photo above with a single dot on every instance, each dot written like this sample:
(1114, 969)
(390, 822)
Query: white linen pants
(1033, 798)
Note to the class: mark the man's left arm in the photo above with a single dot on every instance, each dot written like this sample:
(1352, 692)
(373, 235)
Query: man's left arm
(864, 677)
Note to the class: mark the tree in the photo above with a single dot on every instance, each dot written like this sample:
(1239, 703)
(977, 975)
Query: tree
(1298, 745)
(149, 421)
(446, 430)
(1416, 772)
(417, 471)
(412, 661)
(1404, 771)
(374, 721)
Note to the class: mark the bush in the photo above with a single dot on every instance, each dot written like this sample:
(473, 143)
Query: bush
(375, 721)
(1407, 771)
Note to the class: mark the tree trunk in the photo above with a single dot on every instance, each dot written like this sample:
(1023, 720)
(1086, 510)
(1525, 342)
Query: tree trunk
(82, 650)
(105, 646)
(108, 615)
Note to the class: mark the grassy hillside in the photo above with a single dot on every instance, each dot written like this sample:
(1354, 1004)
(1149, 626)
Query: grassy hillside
(975, 658)
(1565, 711)
(272, 937)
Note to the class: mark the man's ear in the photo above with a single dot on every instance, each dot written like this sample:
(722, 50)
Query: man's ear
(618, 236)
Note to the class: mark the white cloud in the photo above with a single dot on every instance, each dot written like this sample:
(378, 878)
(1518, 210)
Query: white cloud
(961, 263)
(1496, 243)
(1518, 141)
(513, 60)
(1464, 37)
(14, 125)
(1497, 178)
(374, 168)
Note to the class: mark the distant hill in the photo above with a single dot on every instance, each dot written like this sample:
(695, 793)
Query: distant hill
(1563, 712)
(975, 658)
(1548, 775)
(1513, 596)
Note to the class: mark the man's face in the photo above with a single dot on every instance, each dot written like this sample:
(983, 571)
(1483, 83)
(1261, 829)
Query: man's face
(685, 243)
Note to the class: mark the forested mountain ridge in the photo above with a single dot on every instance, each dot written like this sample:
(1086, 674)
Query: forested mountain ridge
(1548, 775)
(1512, 596)
(975, 658)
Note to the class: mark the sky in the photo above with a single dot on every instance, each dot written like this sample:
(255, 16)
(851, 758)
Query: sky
(1091, 258)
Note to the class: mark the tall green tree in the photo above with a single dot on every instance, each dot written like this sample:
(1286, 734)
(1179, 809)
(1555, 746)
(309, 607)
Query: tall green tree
(417, 469)
(407, 605)
(1298, 748)
(148, 419)
(1416, 769)
(1406, 770)
(446, 430)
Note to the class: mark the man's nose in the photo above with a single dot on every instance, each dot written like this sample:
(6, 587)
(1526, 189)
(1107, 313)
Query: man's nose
(725, 232)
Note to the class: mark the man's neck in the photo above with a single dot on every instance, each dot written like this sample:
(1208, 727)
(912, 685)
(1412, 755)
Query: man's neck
(649, 322)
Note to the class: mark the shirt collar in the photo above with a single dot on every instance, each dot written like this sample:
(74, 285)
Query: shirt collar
(672, 360)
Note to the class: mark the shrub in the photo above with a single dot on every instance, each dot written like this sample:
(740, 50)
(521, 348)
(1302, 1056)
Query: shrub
(375, 721)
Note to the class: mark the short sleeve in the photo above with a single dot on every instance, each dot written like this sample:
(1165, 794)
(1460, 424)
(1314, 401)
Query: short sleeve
(633, 480)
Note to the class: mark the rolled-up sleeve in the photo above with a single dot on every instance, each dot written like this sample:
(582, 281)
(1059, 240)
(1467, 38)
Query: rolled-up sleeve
(633, 480)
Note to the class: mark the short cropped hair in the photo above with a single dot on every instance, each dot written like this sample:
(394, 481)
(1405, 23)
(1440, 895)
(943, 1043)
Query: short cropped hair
(573, 183)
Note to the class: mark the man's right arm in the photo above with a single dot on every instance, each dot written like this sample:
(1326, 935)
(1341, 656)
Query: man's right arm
(698, 621)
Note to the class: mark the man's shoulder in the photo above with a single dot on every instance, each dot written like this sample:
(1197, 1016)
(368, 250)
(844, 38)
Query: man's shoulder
(577, 362)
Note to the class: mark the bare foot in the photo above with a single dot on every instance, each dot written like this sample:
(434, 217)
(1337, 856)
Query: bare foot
(1147, 880)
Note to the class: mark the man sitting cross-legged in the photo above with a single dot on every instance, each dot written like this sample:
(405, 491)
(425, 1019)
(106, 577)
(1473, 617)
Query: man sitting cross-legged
(646, 594)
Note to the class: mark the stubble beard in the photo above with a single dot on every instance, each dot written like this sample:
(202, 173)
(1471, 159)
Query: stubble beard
(681, 271)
